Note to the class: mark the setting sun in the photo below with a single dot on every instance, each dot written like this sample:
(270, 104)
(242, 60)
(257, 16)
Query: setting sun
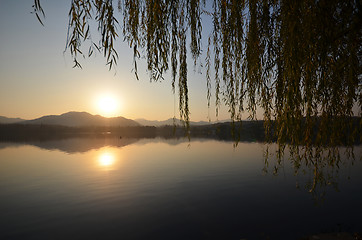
(108, 106)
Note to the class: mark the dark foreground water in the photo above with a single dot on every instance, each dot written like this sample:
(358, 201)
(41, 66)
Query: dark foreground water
(168, 189)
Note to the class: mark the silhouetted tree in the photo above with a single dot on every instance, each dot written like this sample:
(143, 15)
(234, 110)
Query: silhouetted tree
(299, 61)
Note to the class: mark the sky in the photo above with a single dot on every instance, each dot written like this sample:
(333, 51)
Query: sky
(37, 78)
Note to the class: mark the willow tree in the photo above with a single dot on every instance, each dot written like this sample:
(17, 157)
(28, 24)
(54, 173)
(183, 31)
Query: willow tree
(298, 61)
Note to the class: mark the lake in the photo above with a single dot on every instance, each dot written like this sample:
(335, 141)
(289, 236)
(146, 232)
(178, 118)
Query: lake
(108, 188)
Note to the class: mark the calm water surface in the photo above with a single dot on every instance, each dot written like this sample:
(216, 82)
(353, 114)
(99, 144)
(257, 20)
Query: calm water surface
(166, 189)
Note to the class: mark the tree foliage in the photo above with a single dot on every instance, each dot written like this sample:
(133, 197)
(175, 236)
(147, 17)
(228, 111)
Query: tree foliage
(298, 61)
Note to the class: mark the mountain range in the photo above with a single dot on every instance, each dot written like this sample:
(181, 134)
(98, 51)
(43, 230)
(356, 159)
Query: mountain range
(168, 122)
(75, 119)
(6, 120)
(80, 119)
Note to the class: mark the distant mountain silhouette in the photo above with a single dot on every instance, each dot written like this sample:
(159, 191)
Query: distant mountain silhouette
(6, 120)
(169, 122)
(82, 119)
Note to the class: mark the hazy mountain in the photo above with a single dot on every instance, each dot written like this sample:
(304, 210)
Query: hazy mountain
(78, 119)
(7, 120)
(169, 121)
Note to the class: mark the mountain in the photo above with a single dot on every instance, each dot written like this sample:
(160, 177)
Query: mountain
(6, 120)
(80, 119)
(169, 122)
(157, 123)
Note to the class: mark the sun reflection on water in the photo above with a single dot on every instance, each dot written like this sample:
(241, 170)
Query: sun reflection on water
(106, 160)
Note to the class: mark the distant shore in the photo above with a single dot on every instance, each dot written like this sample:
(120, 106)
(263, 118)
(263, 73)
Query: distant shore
(252, 131)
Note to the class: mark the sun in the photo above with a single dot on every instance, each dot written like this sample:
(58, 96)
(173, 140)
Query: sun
(108, 105)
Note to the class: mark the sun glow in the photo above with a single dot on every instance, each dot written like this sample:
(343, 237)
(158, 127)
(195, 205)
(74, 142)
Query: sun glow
(106, 160)
(108, 105)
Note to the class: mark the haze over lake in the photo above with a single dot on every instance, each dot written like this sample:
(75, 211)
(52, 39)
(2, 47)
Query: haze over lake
(108, 188)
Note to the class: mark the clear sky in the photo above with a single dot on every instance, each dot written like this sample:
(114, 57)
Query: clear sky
(37, 78)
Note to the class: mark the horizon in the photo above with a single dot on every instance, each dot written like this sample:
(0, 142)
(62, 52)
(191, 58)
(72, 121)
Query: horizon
(134, 119)
(37, 77)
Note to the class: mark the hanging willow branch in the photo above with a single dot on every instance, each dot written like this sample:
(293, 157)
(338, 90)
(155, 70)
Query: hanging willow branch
(298, 61)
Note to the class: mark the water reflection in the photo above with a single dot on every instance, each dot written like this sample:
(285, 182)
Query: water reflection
(106, 159)
(319, 168)
(167, 189)
(75, 145)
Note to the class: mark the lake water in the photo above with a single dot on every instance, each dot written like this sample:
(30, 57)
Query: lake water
(167, 189)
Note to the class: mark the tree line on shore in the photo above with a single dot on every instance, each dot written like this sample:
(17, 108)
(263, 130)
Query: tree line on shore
(232, 131)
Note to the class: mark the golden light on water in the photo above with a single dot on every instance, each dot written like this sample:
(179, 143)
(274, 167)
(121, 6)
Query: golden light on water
(106, 160)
